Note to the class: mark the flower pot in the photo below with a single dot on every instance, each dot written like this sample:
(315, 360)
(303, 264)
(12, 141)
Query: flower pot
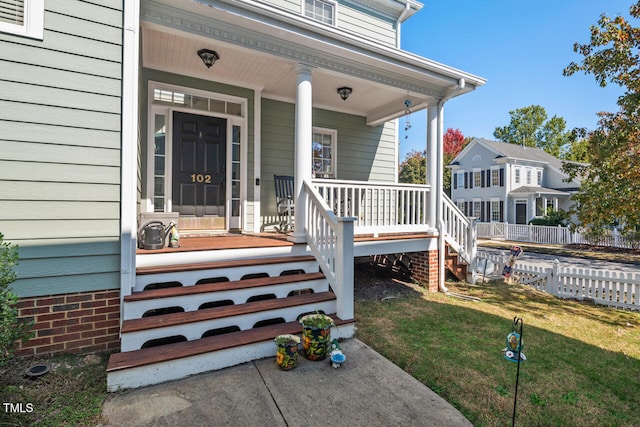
(287, 351)
(316, 335)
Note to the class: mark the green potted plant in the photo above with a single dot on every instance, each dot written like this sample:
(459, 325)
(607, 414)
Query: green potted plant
(316, 335)
(287, 351)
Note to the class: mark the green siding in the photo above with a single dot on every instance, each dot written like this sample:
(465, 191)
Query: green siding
(364, 153)
(60, 115)
(366, 23)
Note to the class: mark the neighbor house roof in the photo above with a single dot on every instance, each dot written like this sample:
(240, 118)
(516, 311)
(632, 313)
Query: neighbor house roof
(514, 151)
(538, 190)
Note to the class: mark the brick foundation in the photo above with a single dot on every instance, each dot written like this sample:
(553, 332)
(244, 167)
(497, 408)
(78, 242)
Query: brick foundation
(424, 268)
(84, 322)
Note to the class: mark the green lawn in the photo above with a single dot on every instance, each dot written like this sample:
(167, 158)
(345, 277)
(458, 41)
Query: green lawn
(582, 367)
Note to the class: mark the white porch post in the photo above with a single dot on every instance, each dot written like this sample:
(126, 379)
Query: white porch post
(432, 172)
(128, 192)
(439, 191)
(302, 162)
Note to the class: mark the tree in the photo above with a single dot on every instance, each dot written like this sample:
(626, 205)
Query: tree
(530, 126)
(453, 141)
(610, 189)
(414, 167)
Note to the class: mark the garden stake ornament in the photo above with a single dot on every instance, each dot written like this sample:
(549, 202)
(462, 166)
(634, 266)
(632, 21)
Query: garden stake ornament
(513, 353)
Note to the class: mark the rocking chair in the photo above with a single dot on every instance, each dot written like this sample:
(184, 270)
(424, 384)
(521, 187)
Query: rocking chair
(284, 202)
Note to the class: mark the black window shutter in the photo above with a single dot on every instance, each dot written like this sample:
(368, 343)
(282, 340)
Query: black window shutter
(482, 178)
(470, 179)
(488, 212)
(488, 178)
(501, 210)
(482, 207)
(455, 181)
(466, 180)
(501, 177)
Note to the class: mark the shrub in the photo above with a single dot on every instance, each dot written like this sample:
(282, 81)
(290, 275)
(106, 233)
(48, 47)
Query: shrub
(11, 328)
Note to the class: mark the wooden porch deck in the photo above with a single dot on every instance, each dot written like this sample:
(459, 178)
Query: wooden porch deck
(262, 240)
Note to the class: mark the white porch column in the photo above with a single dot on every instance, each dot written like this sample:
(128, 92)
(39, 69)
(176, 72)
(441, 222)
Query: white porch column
(432, 167)
(302, 161)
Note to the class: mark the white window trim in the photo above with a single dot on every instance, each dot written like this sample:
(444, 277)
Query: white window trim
(476, 202)
(477, 173)
(334, 149)
(232, 120)
(497, 171)
(492, 211)
(460, 178)
(33, 26)
(334, 18)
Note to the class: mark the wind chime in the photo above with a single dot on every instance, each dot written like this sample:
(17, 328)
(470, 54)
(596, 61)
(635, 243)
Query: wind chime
(407, 111)
(513, 353)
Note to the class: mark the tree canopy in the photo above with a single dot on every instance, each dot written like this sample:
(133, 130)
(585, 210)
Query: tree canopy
(610, 190)
(532, 127)
(413, 168)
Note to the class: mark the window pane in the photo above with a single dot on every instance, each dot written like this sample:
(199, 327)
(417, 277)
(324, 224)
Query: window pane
(12, 11)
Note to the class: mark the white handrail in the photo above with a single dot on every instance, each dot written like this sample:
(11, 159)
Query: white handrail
(330, 239)
(378, 207)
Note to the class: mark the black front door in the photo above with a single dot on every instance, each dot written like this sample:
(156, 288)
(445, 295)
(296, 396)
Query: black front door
(521, 213)
(199, 159)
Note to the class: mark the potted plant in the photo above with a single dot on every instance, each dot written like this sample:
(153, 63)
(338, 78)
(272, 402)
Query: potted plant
(287, 351)
(316, 334)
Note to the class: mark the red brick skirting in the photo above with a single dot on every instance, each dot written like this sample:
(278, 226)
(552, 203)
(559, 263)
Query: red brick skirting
(424, 268)
(72, 323)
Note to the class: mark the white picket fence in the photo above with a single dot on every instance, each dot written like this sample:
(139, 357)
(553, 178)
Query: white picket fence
(605, 287)
(549, 235)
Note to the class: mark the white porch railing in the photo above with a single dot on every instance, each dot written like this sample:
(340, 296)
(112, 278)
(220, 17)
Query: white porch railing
(397, 208)
(461, 232)
(330, 239)
(378, 207)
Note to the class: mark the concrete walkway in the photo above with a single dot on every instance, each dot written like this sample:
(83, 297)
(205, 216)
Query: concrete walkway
(368, 390)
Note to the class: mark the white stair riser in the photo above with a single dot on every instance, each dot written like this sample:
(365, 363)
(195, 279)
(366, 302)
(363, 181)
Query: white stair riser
(182, 368)
(192, 331)
(193, 257)
(135, 309)
(190, 278)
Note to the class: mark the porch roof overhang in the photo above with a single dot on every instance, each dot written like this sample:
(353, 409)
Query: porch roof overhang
(261, 46)
(538, 191)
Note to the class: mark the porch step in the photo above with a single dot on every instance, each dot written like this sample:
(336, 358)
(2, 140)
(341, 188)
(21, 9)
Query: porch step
(231, 270)
(193, 325)
(184, 319)
(191, 298)
(453, 263)
(178, 360)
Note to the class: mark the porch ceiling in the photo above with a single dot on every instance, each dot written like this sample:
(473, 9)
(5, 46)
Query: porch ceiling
(262, 53)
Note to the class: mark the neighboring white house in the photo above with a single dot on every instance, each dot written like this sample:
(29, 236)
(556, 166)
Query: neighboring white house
(501, 182)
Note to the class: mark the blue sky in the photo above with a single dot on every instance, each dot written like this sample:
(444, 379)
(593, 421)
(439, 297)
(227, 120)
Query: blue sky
(521, 48)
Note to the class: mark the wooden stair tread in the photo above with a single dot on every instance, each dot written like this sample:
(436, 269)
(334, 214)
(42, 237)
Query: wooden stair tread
(221, 286)
(222, 264)
(163, 353)
(173, 319)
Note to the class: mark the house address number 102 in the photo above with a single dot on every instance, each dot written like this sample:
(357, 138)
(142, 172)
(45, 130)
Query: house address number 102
(198, 177)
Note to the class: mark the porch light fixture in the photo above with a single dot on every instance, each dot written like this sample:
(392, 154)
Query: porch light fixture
(209, 57)
(344, 92)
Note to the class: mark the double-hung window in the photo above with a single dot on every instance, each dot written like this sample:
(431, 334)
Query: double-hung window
(477, 179)
(22, 17)
(320, 10)
(495, 177)
(323, 153)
